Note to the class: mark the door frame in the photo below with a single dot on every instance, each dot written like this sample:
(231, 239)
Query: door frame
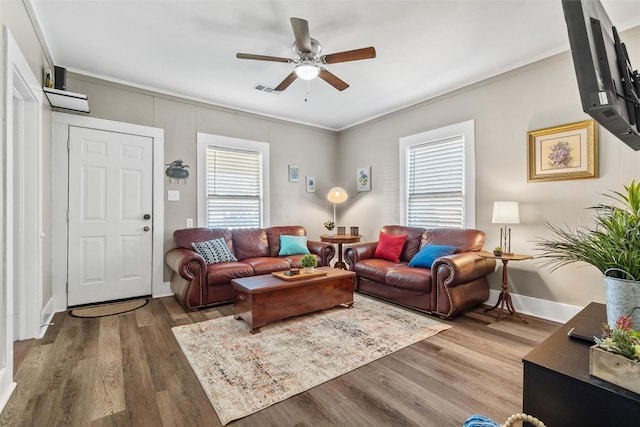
(60, 183)
(22, 102)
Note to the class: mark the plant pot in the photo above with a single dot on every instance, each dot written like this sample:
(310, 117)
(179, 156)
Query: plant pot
(308, 270)
(330, 232)
(615, 369)
(623, 296)
(497, 253)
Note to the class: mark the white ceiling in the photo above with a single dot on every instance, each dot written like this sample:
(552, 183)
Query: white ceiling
(424, 48)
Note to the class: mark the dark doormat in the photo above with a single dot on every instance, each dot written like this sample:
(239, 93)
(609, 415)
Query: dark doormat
(110, 309)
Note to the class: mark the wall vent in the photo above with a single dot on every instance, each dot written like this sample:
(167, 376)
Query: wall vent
(264, 88)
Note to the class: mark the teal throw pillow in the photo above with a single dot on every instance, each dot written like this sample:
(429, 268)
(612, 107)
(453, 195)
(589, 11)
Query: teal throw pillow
(214, 251)
(293, 245)
(429, 253)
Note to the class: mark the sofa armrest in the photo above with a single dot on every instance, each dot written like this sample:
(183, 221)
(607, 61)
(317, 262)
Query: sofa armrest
(453, 270)
(188, 264)
(326, 251)
(356, 252)
(189, 278)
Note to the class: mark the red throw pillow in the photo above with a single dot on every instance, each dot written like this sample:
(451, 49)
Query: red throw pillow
(390, 246)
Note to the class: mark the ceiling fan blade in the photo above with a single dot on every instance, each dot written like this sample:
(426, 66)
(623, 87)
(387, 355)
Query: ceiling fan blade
(262, 57)
(349, 55)
(286, 82)
(301, 32)
(332, 79)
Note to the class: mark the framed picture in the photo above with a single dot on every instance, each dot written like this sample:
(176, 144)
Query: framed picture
(342, 231)
(294, 173)
(363, 179)
(563, 152)
(311, 184)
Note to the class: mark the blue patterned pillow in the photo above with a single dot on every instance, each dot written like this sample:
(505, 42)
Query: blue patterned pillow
(214, 251)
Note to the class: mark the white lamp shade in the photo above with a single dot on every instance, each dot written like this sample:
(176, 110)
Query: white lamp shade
(506, 213)
(337, 195)
(307, 71)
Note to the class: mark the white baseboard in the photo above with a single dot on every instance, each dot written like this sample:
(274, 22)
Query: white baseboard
(544, 309)
(162, 290)
(46, 317)
(6, 394)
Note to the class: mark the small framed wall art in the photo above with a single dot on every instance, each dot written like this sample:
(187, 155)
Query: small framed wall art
(563, 152)
(294, 173)
(363, 179)
(311, 184)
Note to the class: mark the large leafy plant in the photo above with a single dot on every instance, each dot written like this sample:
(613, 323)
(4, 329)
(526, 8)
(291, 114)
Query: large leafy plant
(613, 242)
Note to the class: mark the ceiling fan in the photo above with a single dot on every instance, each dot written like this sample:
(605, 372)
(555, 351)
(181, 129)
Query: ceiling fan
(308, 58)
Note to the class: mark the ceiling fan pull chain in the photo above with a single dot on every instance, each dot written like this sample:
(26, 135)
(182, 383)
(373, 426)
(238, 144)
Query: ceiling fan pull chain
(308, 90)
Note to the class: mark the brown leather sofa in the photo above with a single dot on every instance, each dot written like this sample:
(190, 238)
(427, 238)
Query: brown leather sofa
(454, 283)
(197, 285)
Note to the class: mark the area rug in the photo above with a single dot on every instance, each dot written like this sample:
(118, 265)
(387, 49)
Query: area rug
(111, 309)
(243, 373)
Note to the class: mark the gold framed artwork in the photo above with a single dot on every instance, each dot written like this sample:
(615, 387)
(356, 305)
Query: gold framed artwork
(563, 152)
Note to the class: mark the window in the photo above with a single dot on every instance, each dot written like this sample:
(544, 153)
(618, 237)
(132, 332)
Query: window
(232, 182)
(437, 177)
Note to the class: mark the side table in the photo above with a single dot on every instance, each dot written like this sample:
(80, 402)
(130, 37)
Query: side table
(505, 297)
(339, 239)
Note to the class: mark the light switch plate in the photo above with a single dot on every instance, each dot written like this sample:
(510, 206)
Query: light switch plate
(173, 195)
(189, 222)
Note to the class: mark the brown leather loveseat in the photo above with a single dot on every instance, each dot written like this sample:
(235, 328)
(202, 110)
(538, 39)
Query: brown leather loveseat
(197, 285)
(453, 284)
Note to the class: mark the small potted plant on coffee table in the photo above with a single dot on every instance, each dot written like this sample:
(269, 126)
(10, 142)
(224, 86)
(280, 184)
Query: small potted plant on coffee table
(497, 251)
(308, 262)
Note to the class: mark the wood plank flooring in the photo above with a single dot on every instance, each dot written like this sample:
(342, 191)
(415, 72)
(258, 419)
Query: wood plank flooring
(128, 370)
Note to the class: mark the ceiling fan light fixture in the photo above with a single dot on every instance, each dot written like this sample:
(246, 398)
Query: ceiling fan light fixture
(307, 71)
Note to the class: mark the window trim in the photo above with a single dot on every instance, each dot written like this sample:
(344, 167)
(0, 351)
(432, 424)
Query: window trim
(467, 131)
(206, 139)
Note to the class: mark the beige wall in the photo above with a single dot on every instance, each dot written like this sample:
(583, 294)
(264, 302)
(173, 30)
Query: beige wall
(541, 95)
(313, 150)
(504, 109)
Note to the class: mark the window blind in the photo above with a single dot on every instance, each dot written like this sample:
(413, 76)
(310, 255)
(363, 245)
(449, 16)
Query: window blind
(435, 183)
(234, 188)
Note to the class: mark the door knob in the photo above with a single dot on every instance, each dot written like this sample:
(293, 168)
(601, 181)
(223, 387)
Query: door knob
(146, 228)
(147, 216)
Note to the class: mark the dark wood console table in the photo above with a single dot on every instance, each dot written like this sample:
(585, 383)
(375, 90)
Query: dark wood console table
(558, 389)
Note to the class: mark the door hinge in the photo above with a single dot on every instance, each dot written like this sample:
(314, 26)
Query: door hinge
(68, 144)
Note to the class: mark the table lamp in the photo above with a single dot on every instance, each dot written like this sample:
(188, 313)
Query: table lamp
(337, 195)
(506, 213)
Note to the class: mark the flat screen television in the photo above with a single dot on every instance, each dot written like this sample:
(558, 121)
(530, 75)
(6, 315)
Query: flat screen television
(609, 87)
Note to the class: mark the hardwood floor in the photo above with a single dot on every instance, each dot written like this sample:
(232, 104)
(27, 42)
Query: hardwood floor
(128, 370)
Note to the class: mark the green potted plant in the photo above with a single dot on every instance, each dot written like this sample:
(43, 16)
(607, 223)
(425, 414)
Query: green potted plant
(329, 225)
(612, 245)
(308, 262)
(619, 347)
(497, 251)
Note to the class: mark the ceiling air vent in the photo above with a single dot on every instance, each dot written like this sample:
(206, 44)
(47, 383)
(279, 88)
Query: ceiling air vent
(265, 88)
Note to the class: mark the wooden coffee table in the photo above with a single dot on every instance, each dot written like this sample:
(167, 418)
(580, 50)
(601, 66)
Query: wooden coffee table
(263, 299)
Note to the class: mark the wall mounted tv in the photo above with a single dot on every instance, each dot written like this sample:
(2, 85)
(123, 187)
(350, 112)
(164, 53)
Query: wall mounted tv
(609, 87)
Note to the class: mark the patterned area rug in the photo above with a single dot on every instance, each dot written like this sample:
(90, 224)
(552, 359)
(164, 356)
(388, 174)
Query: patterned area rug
(243, 373)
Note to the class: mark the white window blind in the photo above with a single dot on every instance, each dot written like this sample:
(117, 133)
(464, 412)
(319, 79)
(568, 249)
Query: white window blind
(233, 187)
(435, 183)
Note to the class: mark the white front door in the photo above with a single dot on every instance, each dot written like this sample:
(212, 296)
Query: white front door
(110, 215)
